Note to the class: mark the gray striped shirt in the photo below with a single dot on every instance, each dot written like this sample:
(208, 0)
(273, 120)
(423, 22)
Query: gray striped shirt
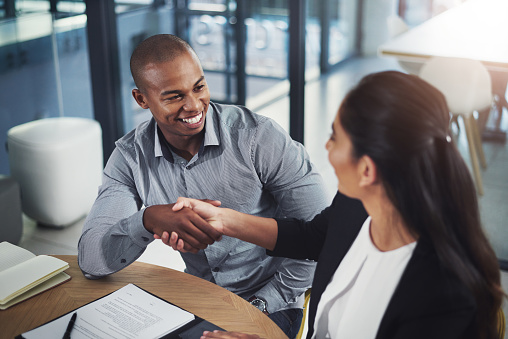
(248, 162)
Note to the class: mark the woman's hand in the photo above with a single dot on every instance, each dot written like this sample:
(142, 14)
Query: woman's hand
(256, 230)
(228, 335)
(206, 209)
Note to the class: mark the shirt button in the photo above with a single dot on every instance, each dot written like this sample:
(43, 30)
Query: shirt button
(216, 269)
(145, 239)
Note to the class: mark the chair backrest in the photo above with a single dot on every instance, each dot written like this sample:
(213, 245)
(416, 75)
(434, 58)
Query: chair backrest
(465, 83)
(501, 323)
(396, 25)
(303, 329)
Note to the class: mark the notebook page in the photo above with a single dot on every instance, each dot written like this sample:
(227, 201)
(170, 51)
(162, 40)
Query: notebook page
(11, 255)
(58, 279)
(20, 278)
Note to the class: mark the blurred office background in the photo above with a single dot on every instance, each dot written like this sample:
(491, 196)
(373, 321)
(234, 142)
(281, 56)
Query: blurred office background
(71, 58)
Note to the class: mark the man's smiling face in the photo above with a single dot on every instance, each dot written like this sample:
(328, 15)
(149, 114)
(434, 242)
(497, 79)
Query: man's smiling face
(177, 94)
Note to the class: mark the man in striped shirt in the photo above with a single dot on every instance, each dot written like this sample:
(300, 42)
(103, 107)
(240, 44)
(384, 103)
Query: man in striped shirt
(195, 148)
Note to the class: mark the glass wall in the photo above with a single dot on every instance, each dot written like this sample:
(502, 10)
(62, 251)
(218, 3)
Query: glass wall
(343, 30)
(136, 21)
(44, 70)
(332, 23)
(46, 60)
(267, 26)
(210, 28)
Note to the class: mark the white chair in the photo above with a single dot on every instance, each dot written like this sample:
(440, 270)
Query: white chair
(58, 165)
(467, 88)
(397, 26)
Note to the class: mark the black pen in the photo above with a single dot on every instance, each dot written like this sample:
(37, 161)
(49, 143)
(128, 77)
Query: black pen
(68, 331)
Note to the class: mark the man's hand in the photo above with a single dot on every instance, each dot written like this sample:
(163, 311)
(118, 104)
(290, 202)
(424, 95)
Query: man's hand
(256, 230)
(196, 232)
(228, 335)
(205, 208)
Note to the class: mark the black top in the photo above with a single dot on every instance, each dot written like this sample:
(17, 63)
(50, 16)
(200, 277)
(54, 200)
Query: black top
(428, 302)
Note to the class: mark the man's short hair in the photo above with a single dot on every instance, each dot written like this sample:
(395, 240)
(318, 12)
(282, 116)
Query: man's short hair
(156, 49)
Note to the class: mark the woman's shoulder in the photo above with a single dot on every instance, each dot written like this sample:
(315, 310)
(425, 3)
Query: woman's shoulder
(431, 286)
(429, 302)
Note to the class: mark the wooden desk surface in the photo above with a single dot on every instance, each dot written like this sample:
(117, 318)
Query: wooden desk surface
(195, 295)
(476, 29)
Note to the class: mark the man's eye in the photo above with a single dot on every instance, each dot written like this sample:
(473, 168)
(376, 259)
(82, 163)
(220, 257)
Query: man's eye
(199, 88)
(174, 97)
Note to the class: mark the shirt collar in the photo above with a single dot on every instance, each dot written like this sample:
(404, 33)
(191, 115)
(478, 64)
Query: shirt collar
(157, 148)
(161, 146)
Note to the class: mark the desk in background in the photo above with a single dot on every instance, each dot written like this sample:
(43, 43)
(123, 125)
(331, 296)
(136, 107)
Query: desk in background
(206, 300)
(476, 29)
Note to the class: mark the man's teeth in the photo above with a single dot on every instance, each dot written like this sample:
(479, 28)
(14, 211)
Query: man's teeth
(194, 120)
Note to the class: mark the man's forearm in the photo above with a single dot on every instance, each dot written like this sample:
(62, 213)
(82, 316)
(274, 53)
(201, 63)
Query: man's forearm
(291, 280)
(106, 249)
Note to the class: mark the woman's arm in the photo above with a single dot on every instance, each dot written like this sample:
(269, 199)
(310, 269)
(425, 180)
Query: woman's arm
(257, 230)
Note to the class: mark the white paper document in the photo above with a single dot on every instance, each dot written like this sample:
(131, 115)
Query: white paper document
(129, 312)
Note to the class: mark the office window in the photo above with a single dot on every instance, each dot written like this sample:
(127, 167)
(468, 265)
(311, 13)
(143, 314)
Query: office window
(343, 35)
(136, 21)
(44, 70)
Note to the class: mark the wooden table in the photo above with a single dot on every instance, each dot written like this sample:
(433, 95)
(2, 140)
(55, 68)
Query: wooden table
(204, 299)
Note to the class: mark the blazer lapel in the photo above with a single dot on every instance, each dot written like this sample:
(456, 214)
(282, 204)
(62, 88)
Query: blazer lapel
(348, 216)
(410, 282)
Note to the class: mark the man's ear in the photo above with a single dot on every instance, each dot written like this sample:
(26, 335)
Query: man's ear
(140, 98)
(367, 171)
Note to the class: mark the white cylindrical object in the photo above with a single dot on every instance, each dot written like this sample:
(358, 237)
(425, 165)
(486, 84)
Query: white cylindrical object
(58, 165)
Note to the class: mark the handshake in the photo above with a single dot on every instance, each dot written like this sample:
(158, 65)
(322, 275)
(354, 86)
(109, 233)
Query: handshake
(191, 225)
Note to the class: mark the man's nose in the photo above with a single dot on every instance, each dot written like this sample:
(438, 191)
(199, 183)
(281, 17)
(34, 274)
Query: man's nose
(191, 103)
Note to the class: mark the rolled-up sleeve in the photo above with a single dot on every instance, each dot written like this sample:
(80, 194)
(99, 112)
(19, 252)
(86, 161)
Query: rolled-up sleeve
(113, 234)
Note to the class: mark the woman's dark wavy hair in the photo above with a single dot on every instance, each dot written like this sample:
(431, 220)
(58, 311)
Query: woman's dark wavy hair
(402, 123)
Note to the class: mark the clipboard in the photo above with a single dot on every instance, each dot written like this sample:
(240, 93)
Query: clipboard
(192, 329)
